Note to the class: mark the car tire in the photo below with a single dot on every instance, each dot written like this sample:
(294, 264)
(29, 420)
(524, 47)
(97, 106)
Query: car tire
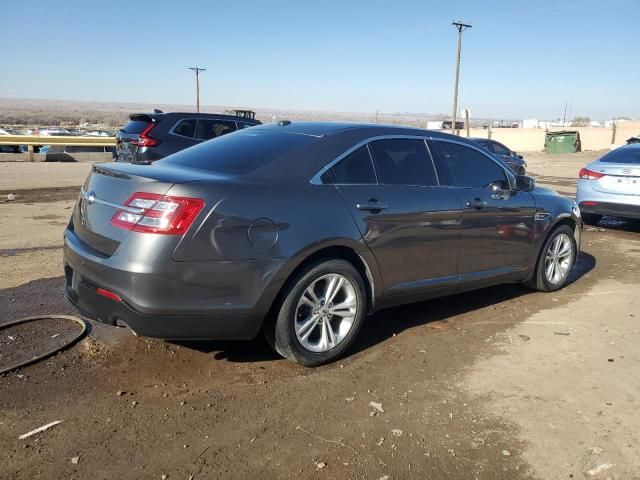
(541, 279)
(287, 333)
(591, 218)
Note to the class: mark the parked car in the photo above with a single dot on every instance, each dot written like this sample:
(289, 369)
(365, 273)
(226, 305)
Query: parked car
(611, 185)
(300, 229)
(99, 133)
(9, 148)
(68, 153)
(54, 131)
(512, 159)
(148, 137)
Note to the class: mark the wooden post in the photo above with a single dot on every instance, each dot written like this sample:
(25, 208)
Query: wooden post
(30, 153)
(489, 132)
(613, 133)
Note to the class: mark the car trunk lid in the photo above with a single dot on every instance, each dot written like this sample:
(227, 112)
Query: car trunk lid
(107, 190)
(619, 178)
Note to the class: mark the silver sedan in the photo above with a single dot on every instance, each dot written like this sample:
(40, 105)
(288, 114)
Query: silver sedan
(611, 185)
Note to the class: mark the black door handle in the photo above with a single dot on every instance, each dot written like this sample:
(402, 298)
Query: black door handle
(372, 205)
(477, 203)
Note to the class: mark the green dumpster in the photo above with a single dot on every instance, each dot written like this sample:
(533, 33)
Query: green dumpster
(567, 141)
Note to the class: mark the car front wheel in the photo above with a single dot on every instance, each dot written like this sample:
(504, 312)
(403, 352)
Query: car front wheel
(321, 313)
(557, 257)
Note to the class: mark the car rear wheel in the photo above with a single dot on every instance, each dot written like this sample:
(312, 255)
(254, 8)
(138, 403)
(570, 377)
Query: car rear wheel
(321, 313)
(557, 257)
(591, 218)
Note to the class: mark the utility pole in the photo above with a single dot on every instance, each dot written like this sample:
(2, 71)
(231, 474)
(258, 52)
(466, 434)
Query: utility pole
(198, 70)
(461, 27)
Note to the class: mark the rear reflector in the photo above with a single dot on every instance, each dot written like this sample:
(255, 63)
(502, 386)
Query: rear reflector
(159, 214)
(587, 174)
(589, 204)
(108, 294)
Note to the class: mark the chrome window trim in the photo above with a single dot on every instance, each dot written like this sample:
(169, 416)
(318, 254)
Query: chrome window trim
(172, 132)
(510, 176)
(315, 180)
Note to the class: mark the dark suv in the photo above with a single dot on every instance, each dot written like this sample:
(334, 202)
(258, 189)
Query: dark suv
(148, 137)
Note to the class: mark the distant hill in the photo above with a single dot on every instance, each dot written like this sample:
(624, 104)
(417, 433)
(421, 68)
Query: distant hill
(112, 114)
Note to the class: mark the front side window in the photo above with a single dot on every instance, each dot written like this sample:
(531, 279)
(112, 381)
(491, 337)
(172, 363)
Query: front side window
(208, 129)
(469, 168)
(355, 168)
(403, 161)
(186, 128)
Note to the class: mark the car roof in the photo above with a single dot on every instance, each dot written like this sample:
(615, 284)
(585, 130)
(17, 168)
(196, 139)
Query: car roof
(220, 116)
(326, 129)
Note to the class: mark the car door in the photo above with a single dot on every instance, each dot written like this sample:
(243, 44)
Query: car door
(410, 223)
(497, 221)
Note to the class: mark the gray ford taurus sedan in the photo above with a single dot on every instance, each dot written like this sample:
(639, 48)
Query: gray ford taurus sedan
(299, 230)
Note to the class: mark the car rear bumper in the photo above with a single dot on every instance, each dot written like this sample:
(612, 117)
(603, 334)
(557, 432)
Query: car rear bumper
(596, 202)
(612, 209)
(175, 300)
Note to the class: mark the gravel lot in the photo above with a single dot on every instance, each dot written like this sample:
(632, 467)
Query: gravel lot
(501, 383)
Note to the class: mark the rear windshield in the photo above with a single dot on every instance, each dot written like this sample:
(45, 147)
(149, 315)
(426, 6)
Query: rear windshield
(240, 152)
(622, 155)
(134, 126)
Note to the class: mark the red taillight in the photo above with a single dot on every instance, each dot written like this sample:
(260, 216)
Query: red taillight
(108, 294)
(144, 140)
(588, 204)
(158, 213)
(589, 174)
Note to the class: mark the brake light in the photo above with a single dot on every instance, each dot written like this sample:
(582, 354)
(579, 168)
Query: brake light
(587, 174)
(144, 140)
(158, 213)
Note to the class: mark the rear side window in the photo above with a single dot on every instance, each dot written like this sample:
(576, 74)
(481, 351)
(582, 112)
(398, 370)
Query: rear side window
(355, 168)
(240, 152)
(500, 149)
(403, 161)
(208, 129)
(623, 155)
(134, 126)
(186, 128)
(469, 168)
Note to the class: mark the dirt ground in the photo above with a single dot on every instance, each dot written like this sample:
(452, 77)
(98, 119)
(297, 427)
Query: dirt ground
(501, 383)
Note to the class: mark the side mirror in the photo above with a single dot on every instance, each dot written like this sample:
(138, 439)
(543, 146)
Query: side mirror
(525, 183)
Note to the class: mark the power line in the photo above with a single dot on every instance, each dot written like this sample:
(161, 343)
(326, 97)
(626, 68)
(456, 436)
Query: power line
(461, 27)
(198, 70)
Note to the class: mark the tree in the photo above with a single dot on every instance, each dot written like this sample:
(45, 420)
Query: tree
(581, 122)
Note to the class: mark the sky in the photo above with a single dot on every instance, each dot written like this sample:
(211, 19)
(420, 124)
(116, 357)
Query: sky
(521, 59)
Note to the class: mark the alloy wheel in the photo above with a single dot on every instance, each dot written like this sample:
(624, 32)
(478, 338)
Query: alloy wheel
(559, 258)
(325, 313)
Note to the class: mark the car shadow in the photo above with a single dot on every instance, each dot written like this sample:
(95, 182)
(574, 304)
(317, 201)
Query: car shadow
(385, 323)
(619, 224)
